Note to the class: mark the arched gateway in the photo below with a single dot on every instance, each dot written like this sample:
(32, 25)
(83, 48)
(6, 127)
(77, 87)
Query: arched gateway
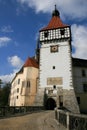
(50, 104)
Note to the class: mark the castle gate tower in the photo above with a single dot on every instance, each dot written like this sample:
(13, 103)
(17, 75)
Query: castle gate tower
(55, 74)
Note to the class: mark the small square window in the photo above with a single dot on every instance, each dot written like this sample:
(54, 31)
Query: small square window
(54, 86)
(17, 90)
(85, 87)
(18, 81)
(53, 67)
(28, 83)
(78, 100)
(23, 83)
(83, 73)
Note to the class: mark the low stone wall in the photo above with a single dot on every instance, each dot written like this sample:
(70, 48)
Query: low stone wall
(71, 121)
(18, 110)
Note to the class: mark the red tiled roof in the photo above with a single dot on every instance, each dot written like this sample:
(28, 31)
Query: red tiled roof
(31, 62)
(54, 23)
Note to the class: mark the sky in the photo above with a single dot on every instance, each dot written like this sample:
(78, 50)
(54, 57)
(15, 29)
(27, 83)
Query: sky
(20, 22)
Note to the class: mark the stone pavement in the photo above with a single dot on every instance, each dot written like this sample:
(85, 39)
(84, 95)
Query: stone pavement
(37, 121)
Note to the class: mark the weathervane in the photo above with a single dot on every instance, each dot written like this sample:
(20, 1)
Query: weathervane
(55, 6)
(55, 12)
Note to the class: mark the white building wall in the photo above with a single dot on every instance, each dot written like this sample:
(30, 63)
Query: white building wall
(62, 62)
(15, 98)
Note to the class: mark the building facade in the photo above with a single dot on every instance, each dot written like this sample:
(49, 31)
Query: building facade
(57, 79)
(55, 72)
(24, 84)
(80, 82)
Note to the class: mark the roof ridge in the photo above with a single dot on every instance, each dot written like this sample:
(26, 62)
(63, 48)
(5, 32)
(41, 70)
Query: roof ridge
(31, 62)
(54, 23)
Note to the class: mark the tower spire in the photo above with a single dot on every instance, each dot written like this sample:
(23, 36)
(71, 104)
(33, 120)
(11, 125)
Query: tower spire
(55, 12)
(55, 6)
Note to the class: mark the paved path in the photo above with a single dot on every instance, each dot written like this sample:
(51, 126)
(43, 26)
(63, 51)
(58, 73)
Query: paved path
(36, 121)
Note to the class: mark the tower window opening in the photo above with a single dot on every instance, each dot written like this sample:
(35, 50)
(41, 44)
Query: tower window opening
(85, 87)
(46, 34)
(18, 81)
(17, 90)
(83, 73)
(54, 86)
(28, 83)
(78, 100)
(53, 67)
(62, 31)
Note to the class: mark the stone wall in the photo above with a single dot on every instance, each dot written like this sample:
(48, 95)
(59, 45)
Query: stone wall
(39, 99)
(69, 101)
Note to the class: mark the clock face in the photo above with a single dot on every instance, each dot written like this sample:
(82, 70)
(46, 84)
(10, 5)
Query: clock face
(54, 48)
(60, 33)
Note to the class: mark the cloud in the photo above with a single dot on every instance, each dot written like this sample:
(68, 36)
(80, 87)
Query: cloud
(6, 29)
(4, 41)
(15, 61)
(71, 8)
(79, 36)
(7, 78)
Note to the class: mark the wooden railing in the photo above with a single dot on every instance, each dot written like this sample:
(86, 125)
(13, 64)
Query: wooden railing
(15, 111)
(71, 121)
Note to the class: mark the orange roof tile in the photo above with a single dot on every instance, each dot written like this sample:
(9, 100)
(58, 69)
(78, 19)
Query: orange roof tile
(31, 62)
(54, 23)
